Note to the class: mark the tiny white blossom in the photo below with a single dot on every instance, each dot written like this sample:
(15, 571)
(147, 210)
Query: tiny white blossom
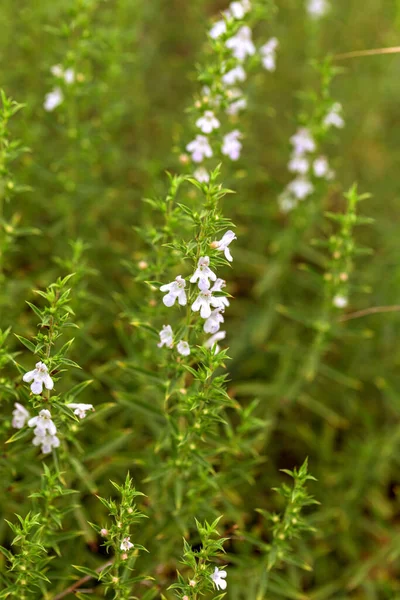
(53, 99)
(176, 290)
(199, 148)
(268, 54)
(202, 175)
(299, 164)
(183, 348)
(68, 75)
(208, 122)
(126, 544)
(203, 273)
(334, 117)
(340, 301)
(80, 410)
(286, 202)
(239, 102)
(213, 323)
(223, 244)
(213, 341)
(321, 168)
(231, 146)
(303, 141)
(218, 578)
(241, 44)
(20, 416)
(203, 302)
(218, 29)
(57, 70)
(318, 8)
(43, 424)
(300, 188)
(239, 9)
(48, 441)
(39, 376)
(166, 337)
(234, 75)
(217, 287)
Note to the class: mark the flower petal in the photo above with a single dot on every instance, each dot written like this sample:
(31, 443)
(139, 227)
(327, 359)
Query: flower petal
(48, 382)
(29, 376)
(37, 387)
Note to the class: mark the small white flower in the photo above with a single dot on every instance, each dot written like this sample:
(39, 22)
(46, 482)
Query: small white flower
(223, 244)
(183, 348)
(47, 441)
(303, 141)
(213, 341)
(166, 337)
(321, 168)
(300, 188)
(57, 70)
(68, 75)
(299, 164)
(217, 287)
(340, 301)
(286, 202)
(53, 99)
(234, 75)
(126, 544)
(218, 578)
(268, 54)
(40, 376)
(239, 9)
(231, 146)
(203, 302)
(20, 416)
(318, 8)
(208, 122)
(80, 410)
(218, 29)
(241, 44)
(213, 323)
(43, 424)
(202, 175)
(239, 102)
(334, 117)
(203, 274)
(175, 289)
(199, 148)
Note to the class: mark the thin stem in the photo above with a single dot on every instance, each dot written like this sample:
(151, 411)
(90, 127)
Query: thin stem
(372, 52)
(369, 311)
(81, 581)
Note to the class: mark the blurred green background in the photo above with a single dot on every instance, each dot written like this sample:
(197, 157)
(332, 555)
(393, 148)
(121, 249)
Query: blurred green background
(89, 168)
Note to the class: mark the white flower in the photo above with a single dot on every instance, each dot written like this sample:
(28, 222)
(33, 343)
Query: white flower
(213, 323)
(53, 99)
(80, 410)
(299, 164)
(202, 175)
(43, 424)
(175, 289)
(217, 287)
(40, 376)
(239, 9)
(218, 578)
(166, 337)
(231, 146)
(241, 44)
(268, 54)
(199, 148)
(57, 70)
(208, 122)
(234, 75)
(203, 273)
(321, 168)
(286, 202)
(303, 141)
(47, 441)
(318, 8)
(183, 348)
(20, 416)
(300, 188)
(239, 102)
(213, 341)
(68, 75)
(334, 117)
(340, 301)
(203, 302)
(126, 544)
(223, 244)
(218, 29)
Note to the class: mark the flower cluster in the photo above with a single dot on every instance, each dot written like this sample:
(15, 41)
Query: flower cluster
(306, 163)
(211, 307)
(224, 94)
(56, 96)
